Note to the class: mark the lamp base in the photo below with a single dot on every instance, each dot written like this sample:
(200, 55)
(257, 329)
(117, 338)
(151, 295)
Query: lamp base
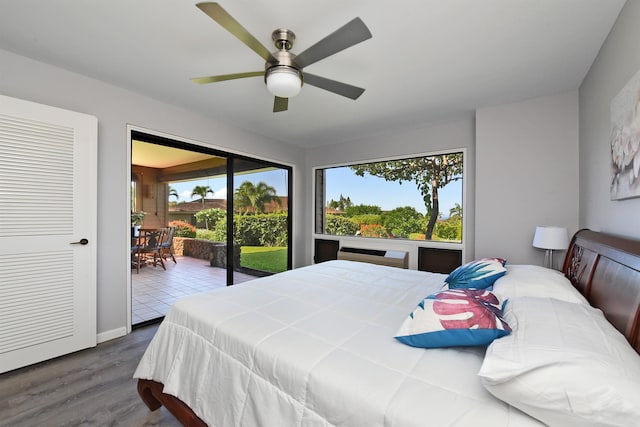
(549, 260)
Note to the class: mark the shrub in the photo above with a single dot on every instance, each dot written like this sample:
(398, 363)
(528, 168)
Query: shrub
(183, 229)
(373, 230)
(256, 230)
(417, 236)
(340, 226)
(220, 232)
(365, 219)
(261, 229)
(450, 229)
(203, 234)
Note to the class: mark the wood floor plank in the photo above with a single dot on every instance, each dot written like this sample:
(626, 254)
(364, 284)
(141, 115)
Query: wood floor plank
(92, 387)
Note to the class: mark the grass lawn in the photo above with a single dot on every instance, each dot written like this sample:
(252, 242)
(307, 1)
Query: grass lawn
(263, 258)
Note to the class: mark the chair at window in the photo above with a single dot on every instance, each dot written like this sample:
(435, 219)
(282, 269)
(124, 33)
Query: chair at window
(147, 249)
(166, 248)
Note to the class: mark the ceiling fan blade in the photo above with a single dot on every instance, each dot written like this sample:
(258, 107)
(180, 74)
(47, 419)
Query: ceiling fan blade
(223, 77)
(222, 17)
(339, 88)
(346, 36)
(280, 104)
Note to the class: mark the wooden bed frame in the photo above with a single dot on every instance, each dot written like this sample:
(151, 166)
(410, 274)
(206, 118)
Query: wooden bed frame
(603, 267)
(606, 270)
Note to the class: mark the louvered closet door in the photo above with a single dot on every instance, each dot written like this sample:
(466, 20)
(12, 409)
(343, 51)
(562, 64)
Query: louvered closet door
(47, 205)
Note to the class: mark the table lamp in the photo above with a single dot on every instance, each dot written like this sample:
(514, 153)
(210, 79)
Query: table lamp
(550, 239)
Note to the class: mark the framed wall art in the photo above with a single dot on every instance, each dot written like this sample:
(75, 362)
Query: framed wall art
(625, 141)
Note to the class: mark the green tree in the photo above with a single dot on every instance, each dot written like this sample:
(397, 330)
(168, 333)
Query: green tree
(455, 211)
(363, 210)
(210, 217)
(403, 221)
(342, 204)
(255, 196)
(429, 174)
(173, 193)
(201, 191)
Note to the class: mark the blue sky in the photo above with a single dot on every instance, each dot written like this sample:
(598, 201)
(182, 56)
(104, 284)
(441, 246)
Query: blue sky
(371, 190)
(367, 190)
(275, 178)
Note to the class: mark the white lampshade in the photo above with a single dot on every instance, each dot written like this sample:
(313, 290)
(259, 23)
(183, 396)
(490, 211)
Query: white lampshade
(283, 82)
(550, 239)
(554, 238)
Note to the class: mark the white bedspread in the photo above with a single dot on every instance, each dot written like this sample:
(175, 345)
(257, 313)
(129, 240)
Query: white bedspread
(314, 347)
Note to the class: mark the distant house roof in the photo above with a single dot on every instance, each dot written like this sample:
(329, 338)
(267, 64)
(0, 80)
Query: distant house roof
(196, 205)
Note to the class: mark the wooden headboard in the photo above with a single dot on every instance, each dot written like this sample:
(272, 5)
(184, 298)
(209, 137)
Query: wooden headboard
(606, 270)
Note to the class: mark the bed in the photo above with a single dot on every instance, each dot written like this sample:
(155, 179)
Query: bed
(315, 347)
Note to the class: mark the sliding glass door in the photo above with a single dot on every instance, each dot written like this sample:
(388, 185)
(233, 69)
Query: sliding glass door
(230, 217)
(261, 222)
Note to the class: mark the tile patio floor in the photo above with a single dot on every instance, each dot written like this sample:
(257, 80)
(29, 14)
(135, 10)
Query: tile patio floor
(153, 290)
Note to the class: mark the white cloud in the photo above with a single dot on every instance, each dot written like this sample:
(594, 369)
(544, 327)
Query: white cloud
(221, 193)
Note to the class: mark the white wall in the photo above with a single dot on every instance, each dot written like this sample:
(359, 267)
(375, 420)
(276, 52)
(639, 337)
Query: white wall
(617, 62)
(526, 174)
(115, 108)
(403, 142)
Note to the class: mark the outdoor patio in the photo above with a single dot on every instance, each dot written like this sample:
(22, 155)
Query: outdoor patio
(154, 289)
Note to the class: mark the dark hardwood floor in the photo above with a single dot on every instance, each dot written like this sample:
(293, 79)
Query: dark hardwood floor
(92, 387)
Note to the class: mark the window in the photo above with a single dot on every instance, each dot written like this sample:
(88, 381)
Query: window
(418, 198)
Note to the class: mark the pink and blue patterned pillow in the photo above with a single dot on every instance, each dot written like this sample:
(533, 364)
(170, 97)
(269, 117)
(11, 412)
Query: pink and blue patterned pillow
(454, 317)
(478, 274)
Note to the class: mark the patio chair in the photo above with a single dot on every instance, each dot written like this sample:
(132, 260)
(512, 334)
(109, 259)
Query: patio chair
(147, 249)
(166, 248)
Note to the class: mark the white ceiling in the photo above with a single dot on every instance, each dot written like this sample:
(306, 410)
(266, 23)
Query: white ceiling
(428, 60)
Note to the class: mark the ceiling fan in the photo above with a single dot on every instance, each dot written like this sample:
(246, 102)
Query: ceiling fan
(283, 70)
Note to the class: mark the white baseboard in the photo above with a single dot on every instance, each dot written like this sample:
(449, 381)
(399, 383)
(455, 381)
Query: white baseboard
(109, 335)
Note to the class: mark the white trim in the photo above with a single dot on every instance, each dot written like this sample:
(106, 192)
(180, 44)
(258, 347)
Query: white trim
(112, 334)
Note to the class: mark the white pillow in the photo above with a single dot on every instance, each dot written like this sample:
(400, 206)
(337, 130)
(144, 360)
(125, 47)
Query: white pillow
(565, 365)
(536, 281)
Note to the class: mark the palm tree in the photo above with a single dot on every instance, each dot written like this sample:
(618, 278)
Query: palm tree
(456, 210)
(202, 191)
(255, 196)
(173, 193)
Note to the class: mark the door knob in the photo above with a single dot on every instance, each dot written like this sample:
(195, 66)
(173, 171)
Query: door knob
(80, 242)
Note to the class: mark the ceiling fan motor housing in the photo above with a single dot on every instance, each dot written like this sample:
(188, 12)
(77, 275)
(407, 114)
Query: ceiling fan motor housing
(283, 38)
(282, 59)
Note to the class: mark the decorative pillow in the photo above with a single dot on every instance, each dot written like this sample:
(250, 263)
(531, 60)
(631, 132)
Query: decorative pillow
(478, 274)
(536, 281)
(565, 365)
(455, 317)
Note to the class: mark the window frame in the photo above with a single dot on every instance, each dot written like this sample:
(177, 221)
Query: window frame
(319, 212)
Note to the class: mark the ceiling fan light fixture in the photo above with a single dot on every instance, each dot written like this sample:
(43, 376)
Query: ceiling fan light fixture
(283, 81)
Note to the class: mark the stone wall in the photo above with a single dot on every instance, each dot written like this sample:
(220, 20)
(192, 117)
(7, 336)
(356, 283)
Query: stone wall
(215, 252)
